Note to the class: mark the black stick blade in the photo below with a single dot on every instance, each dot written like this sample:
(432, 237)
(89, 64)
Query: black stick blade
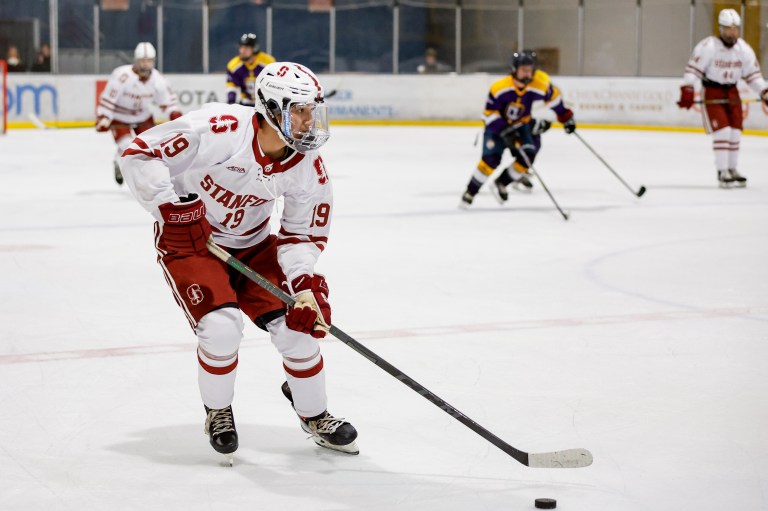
(641, 191)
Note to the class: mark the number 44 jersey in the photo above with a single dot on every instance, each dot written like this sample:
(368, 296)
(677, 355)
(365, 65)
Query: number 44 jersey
(214, 153)
(713, 61)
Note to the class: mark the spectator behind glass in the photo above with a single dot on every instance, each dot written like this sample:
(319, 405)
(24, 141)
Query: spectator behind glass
(431, 64)
(15, 65)
(42, 62)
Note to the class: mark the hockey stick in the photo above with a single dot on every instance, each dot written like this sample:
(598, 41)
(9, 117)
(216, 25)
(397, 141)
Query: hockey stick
(536, 174)
(571, 458)
(638, 193)
(37, 122)
(725, 101)
(134, 126)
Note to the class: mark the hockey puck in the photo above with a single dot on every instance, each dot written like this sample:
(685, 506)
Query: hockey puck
(545, 503)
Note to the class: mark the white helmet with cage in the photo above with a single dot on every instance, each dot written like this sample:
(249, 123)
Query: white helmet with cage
(141, 55)
(729, 18)
(291, 99)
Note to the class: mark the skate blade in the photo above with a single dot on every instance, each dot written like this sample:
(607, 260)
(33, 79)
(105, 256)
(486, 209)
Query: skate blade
(350, 448)
(522, 188)
(501, 200)
(464, 205)
(228, 460)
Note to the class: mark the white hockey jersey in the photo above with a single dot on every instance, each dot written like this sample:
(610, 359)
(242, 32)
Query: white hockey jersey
(712, 60)
(128, 99)
(214, 153)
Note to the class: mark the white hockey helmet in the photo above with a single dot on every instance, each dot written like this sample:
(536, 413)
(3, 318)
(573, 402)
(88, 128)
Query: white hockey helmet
(142, 53)
(291, 99)
(729, 18)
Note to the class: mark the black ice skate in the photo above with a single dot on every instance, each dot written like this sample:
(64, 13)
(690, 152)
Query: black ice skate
(724, 178)
(466, 200)
(118, 174)
(738, 179)
(522, 183)
(326, 430)
(220, 427)
(499, 191)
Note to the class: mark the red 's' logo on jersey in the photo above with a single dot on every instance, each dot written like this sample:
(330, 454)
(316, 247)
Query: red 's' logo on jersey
(223, 123)
(322, 176)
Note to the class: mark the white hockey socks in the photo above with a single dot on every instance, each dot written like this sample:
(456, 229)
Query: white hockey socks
(733, 149)
(219, 334)
(721, 143)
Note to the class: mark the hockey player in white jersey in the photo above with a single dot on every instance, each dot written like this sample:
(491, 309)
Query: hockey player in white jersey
(218, 171)
(125, 106)
(719, 63)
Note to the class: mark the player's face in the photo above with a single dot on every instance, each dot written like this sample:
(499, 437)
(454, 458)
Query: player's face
(144, 66)
(246, 52)
(524, 74)
(302, 118)
(306, 124)
(730, 34)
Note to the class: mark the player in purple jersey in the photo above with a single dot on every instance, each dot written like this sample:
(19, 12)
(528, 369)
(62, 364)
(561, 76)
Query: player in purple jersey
(510, 125)
(243, 70)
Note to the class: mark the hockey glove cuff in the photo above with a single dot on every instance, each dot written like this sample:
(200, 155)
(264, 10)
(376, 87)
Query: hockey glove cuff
(185, 228)
(686, 97)
(312, 313)
(569, 123)
(103, 124)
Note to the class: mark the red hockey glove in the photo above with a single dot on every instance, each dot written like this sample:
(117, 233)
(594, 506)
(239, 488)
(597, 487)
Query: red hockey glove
(174, 115)
(686, 97)
(569, 123)
(185, 228)
(103, 124)
(312, 313)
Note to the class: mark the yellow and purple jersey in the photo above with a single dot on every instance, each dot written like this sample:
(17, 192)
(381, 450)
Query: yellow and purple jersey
(509, 106)
(241, 78)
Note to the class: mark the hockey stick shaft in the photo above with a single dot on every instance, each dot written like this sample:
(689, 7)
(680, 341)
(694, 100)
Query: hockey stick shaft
(725, 101)
(638, 193)
(122, 125)
(571, 458)
(543, 185)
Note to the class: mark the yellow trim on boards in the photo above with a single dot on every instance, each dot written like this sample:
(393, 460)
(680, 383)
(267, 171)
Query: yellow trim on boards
(417, 122)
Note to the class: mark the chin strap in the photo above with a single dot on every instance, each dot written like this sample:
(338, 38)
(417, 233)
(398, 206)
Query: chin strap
(271, 117)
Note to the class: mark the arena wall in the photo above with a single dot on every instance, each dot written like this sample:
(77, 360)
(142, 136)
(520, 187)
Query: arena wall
(619, 102)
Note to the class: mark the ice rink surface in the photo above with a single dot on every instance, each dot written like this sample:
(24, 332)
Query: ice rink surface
(637, 330)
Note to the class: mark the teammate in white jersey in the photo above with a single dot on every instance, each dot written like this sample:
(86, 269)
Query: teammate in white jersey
(218, 171)
(125, 106)
(719, 63)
